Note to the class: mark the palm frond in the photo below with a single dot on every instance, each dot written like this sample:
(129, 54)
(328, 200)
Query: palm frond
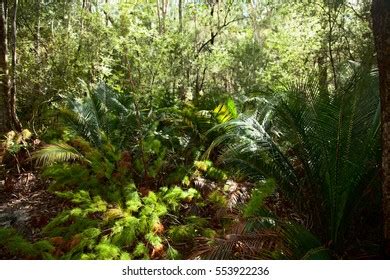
(55, 153)
(239, 245)
(321, 148)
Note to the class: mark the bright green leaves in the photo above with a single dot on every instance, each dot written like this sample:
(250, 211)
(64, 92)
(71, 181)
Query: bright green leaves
(203, 165)
(182, 233)
(153, 206)
(255, 206)
(54, 153)
(141, 251)
(107, 251)
(89, 205)
(226, 111)
(133, 201)
(173, 196)
(15, 141)
(15, 244)
(207, 168)
(217, 199)
(98, 230)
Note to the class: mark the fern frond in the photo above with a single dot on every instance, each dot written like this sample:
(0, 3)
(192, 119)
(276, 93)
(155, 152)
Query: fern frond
(55, 153)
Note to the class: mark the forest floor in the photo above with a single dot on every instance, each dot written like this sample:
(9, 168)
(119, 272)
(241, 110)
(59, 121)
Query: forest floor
(26, 205)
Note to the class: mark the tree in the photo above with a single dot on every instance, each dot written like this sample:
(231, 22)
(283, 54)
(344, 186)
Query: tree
(180, 4)
(9, 118)
(4, 110)
(381, 28)
(12, 98)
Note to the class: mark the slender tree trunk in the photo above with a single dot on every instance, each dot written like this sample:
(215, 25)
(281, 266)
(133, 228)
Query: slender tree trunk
(180, 16)
(5, 122)
(254, 21)
(181, 88)
(83, 7)
(106, 14)
(325, 51)
(12, 98)
(38, 30)
(162, 8)
(212, 35)
(159, 17)
(381, 28)
(330, 46)
(322, 73)
(37, 85)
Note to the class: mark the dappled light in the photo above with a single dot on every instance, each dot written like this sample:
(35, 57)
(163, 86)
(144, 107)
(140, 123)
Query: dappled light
(168, 130)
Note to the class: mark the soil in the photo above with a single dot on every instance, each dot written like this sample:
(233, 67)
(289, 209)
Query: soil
(26, 205)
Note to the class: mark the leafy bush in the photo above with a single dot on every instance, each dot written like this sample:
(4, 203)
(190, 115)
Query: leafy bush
(16, 245)
(99, 229)
(322, 150)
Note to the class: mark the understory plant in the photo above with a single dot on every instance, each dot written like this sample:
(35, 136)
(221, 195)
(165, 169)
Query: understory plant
(130, 177)
(321, 148)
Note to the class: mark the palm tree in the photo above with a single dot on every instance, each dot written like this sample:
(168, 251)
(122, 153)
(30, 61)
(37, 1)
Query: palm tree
(155, 141)
(103, 118)
(322, 150)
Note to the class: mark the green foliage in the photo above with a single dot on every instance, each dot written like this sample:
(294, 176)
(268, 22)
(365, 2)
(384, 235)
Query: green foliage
(301, 244)
(217, 199)
(113, 231)
(173, 254)
(13, 243)
(15, 141)
(226, 112)
(209, 171)
(182, 233)
(113, 180)
(255, 206)
(322, 150)
(57, 153)
(148, 117)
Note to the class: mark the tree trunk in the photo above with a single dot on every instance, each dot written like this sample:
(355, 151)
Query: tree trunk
(159, 17)
(161, 14)
(381, 28)
(106, 14)
(5, 83)
(37, 84)
(164, 13)
(12, 98)
(38, 30)
(254, 21)
(212, 35)
(330, 46)
(180, 16)
(181, 88)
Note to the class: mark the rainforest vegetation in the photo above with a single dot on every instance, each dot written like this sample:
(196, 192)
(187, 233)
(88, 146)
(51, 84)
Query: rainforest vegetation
(194, 129)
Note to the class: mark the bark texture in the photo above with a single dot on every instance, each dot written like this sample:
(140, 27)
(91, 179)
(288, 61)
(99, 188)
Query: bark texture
(8, 117)
(4, 72)
(381, 28)
(15, 123)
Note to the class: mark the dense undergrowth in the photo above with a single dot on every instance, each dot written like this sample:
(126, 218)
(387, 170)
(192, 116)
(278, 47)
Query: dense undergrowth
(132, 192)
(260, 178)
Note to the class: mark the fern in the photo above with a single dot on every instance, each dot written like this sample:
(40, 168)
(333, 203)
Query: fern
(17, 245)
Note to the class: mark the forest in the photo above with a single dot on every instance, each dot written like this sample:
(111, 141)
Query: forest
(194, 129)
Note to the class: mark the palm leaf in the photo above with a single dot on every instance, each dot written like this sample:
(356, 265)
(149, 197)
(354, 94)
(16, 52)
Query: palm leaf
(55, 153)
(320, 148)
